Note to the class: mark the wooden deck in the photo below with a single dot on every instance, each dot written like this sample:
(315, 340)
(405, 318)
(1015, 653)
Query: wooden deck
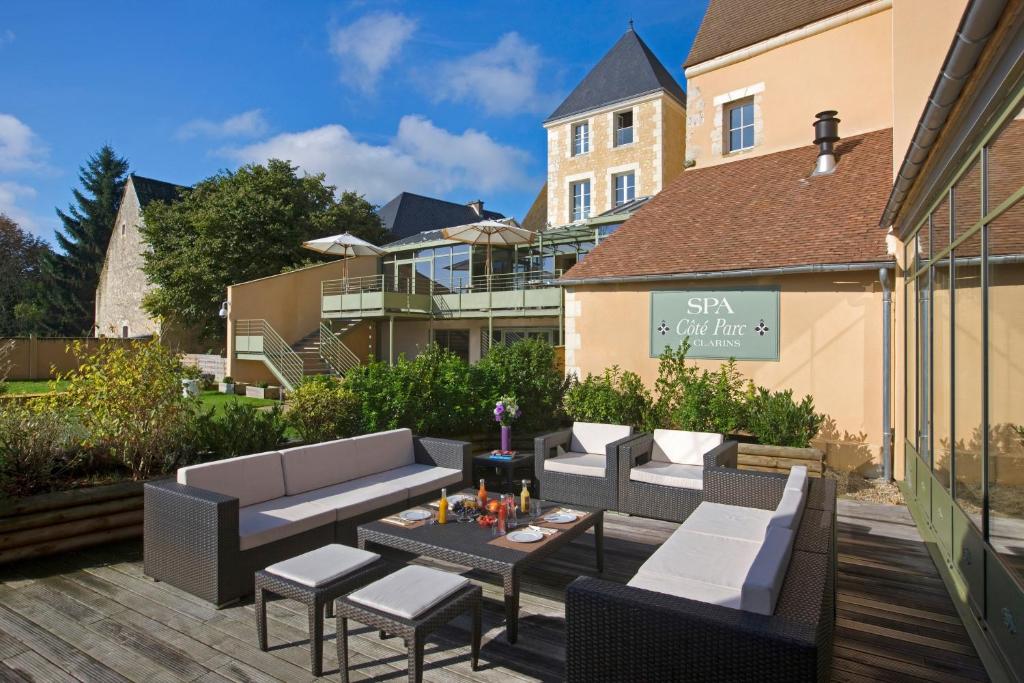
(93, 616)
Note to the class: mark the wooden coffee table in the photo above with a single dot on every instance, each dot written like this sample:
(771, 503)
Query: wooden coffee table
(471, 545)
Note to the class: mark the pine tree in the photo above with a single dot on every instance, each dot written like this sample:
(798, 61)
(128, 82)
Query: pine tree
(73, 271)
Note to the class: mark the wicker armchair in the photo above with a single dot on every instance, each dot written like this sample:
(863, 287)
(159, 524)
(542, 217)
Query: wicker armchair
(596, 482)
(192, 536)
(663, 498)
(616, 632)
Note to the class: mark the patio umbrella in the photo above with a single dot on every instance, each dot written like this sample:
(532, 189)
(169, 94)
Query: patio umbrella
(346, 245)
(503, 233)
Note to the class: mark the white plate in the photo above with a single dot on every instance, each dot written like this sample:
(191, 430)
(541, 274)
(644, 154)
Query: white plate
(414, 515)
(559, 518)
(524, 536)
(453, 499)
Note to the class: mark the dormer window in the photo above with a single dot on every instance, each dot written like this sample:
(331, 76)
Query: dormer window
(581, 138)
(624, 128)
(741, 126)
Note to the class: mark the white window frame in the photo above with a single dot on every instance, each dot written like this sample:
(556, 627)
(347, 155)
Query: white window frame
(615, 127)
(625, 188)
(586, 199)
(585, 144)
(728, 129)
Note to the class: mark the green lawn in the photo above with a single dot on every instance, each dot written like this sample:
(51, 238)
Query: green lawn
(216, 400)
(31, 386)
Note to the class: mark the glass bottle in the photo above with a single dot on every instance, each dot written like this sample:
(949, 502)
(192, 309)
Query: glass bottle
(512, 520)
(524, 498)
(442, 508)
(482, 494)
(502, 515)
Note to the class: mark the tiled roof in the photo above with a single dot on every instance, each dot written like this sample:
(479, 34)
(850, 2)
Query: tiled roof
(628, 70)
(760, 212)
(729, 25)
(148, 190)
(409, 214)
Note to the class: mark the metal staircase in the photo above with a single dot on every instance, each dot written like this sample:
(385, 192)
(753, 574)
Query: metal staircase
(309, 350)
(321, 352)
(333, 350)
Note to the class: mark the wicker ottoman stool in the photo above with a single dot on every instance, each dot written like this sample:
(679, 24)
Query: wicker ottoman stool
(315, 579)
(411, 603)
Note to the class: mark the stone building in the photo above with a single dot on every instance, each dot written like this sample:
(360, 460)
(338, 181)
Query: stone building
(122, 284)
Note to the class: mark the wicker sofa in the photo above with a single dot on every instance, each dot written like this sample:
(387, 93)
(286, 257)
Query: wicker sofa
(661, 475)
(208, 532)
(742, 591)
(579, 465)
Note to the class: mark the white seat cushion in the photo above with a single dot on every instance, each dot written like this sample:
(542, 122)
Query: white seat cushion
(789, 511)
(701, 557)
(323, 565)
(384, 450)
(669, 474)
(686, 588)
(410, 591)
(764, 579)
(730, 521)
(273, 520)
(418, 479)
(251, 478)
(357, 497)
(591, 437)
(585, 464)
(323, 464)
(797, 479)
(683, 448)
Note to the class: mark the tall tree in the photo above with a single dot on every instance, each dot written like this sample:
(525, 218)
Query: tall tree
(237, 226)
(74, 271)
(21, 280)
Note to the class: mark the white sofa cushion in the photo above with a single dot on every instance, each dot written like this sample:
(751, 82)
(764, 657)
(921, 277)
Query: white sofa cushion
(669, 474)
(322, 464)
(384, 450)
(273, 520)
(323, 565)
(791, 508)
(410, 591)
(764, 580)
(687, 588)
(250, 478)
(418, 480)
(682, 448)
(797, 479)
(701, 557)
(585, 464)
(730, 521)
(591, 437)
(357, 497)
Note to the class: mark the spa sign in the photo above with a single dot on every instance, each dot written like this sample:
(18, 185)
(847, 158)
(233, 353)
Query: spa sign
(722, 323)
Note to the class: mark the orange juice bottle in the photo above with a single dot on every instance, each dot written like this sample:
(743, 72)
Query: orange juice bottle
(482, 495)
(524, 498)
(442, 508)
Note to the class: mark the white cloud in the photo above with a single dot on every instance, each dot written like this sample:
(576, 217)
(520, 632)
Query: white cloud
(366, 47)
(10, 194)
(20, 150)
(503, 78)
(6, 37)
(421, 157)
(249, 124)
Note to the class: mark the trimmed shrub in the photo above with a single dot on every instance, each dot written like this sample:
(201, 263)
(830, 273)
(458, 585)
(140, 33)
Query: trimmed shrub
(776, 419)
(616, 397)
(323, 408)
(526, 370)
(699, 400)
(241, 429)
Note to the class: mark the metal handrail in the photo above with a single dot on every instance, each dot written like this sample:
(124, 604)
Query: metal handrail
(501, 282)
(281, 358)
(366, 283)
(335, 352)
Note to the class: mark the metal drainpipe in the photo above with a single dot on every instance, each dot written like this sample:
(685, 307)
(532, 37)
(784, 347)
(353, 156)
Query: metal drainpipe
(883, 278)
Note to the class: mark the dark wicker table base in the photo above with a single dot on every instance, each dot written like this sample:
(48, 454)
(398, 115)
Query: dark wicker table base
(413, 631)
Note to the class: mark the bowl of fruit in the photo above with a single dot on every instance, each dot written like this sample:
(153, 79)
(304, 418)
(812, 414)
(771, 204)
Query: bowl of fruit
(486, 520)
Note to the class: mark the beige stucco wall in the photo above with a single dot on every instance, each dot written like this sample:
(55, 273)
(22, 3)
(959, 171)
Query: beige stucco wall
(829, 347)
(289, 302)
(122, 284)
(655, 155)
(922, 33)
(847, 68)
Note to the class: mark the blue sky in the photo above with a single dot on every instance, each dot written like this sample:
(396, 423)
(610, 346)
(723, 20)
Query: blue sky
(444, 98)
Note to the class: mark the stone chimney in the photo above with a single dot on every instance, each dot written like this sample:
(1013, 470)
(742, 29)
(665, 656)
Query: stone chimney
(478, 207)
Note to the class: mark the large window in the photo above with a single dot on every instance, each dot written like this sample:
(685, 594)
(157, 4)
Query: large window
(624, 128)
(625, 187)
(456, 341)
(580, 200)
(581, 138)
(964, 303)
(741, 126)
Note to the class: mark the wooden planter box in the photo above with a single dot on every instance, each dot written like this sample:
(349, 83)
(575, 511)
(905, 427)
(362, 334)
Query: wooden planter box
(260, 392)
(225, 388)
(755, 456)
(240, 388)
(69, 520)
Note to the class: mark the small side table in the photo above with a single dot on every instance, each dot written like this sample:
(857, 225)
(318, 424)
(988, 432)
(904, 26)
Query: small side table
(521, 462)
